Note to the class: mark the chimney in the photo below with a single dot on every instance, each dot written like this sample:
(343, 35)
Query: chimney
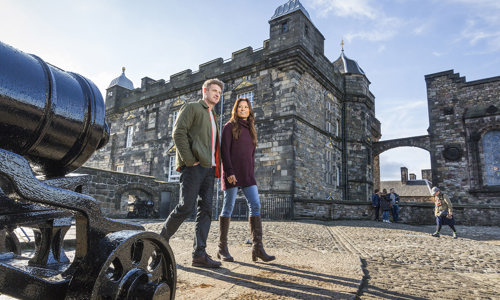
(427, 174)
(404, 175)
(413, 176)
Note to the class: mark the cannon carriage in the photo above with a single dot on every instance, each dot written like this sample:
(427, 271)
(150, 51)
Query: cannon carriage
(51, 122)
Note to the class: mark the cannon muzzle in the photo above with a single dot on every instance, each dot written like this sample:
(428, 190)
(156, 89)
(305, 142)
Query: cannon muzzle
(54, 118)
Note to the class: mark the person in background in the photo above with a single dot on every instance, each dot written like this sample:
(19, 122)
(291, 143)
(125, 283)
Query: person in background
(239, 141)
(196, 137)
(385, 205)
(443, 210)
(395, 205)
(376, 203)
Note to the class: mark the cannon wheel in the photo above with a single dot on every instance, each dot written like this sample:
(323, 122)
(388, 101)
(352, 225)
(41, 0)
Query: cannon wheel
(126, 265)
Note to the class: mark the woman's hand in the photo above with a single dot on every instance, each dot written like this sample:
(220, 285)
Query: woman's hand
(232, 179)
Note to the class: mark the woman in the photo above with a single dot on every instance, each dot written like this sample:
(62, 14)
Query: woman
(239, 140)
(443, 210)
(385, 205)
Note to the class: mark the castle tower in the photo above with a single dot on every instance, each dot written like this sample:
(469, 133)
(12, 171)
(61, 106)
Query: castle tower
(117, 89)
(292, 28)
(359, 129)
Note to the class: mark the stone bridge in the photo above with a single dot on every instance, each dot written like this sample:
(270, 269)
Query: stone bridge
(422, 141)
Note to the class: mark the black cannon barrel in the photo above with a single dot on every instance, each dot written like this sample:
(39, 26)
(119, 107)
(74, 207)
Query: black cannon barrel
(54, 118)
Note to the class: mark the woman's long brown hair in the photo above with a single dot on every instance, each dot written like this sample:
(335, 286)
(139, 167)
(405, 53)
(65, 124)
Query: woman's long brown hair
(235, 121)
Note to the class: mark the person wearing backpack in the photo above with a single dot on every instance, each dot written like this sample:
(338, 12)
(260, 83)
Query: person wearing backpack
(395, 205)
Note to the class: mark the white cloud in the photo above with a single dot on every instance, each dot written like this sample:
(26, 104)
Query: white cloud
(353, 8)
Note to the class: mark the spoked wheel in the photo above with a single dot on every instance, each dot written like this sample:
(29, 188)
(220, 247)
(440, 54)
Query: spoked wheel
(126, 265)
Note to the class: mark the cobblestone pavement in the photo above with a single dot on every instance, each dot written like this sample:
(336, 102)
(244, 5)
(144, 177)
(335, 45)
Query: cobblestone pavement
(342, 260)
(375, 260)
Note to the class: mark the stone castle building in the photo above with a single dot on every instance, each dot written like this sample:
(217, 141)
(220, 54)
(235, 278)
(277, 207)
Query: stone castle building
(315, 117)
(318, 138)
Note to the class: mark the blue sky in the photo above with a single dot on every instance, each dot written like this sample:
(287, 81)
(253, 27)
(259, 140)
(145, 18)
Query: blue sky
(396, 43)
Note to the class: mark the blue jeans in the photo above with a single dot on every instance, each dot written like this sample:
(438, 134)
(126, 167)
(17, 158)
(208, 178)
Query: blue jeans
(385, 215)
(395, 212)
(251, 195)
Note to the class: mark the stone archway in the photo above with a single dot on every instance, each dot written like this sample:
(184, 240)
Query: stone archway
(141, 190)
(422, 142)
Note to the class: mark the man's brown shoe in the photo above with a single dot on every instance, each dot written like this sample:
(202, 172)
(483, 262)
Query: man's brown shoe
(205, 261)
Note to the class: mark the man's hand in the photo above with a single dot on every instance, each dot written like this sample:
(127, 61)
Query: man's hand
(196, 163)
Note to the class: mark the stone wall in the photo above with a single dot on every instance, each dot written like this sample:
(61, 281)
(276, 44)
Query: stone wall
(409, 213)
(111, 189)
(461, 113)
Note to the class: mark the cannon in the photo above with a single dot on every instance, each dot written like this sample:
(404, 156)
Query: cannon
(140, 208)
(51, 122)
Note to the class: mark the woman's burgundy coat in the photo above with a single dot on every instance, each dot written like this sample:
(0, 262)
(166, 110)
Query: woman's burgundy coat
(238, 156)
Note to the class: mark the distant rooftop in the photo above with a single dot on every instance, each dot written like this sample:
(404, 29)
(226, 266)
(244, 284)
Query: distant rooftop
(415, 188)
(289, 7)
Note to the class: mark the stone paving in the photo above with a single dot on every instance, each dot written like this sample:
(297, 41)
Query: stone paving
(343, 260)
(378, 261)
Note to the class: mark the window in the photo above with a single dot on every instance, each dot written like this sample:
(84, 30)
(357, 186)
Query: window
(248, 95)
(151, 120)
(119, 168)
(329, 167)
(338, 176)
(284, 27)
(337, 130)
(173, 175)
(491, 144)
(174, 117)
(130, 135)
(307, 30)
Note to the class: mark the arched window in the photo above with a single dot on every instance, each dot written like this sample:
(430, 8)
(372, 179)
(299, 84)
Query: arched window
(491, 144)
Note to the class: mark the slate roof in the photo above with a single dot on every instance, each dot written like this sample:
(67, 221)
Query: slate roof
(289, 7)
(413, 188)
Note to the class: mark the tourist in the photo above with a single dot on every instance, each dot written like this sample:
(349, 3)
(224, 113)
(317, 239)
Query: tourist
(376, 203)
(239, 140)
(443, 210)
(197, 159)
(385, 205)
(395, 205)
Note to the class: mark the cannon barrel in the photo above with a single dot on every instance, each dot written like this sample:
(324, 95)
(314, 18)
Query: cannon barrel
(54, 118)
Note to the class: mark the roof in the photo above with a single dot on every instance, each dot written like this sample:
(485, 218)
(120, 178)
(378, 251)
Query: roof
(413, 188)
(122, 81)
(346, 65)
(289, 7)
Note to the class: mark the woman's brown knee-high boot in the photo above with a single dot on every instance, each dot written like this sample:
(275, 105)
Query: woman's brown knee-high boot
(257, 246)
(223, 252)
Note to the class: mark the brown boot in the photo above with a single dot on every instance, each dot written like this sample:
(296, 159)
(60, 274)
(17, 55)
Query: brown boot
(223, 252)
(257, 246)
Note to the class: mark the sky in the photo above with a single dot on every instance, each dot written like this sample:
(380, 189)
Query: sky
(395, 42)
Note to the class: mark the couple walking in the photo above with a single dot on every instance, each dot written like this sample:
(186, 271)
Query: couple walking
(198, 153)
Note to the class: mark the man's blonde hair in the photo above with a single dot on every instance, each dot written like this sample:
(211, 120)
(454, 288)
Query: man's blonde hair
(209, 82)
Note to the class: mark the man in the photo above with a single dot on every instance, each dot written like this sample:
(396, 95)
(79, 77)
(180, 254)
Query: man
(443, 211)
(196, 137)
(395, 205)
(376, 203)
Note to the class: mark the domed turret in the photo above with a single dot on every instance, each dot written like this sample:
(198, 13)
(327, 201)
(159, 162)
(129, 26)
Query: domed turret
(288, 8)
(122, 81)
